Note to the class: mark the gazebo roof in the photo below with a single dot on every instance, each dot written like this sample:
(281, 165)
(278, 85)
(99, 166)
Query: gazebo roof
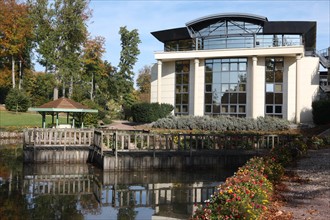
(63, 105)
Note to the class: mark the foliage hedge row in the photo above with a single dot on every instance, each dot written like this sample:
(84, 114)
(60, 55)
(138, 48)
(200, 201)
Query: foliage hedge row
(222, 123)
(321, 112)
(248, 194)
(150, 112)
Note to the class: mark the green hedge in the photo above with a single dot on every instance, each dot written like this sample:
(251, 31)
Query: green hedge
(150, 112)
(321, 112)
(222, 123)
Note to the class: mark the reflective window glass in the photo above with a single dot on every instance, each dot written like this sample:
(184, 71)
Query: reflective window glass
(269, 87)
(230, 79)
(269, 109)
(278, 98)
(208, 108)
(225, 77)
(208, 88)
(242, 66)
(278, 109)
(278, 87)
(225, 67)
(208, 77)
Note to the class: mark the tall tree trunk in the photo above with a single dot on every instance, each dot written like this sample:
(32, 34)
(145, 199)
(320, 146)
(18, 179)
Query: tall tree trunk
(13, 71)
(92, 88)
(20, 76)
(70, 88)
(55, 94)
(63, 88)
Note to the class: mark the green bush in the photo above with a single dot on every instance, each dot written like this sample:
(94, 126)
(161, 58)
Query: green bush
(321, 112)
(150, 112)
(17, 101)
(91, 119)
(222, 123)
(246, 195)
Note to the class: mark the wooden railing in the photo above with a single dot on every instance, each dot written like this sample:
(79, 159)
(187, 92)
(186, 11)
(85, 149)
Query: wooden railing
(120, 141)
(57, 137)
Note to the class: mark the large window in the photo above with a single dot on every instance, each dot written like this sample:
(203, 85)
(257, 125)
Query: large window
(182, 69)
(274, 87)
(225, 87)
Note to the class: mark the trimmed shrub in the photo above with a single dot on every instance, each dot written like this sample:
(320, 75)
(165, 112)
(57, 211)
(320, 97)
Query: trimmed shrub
(246, 195)
(222, 123)
(17, 101)
(321, 112)
(150, 112)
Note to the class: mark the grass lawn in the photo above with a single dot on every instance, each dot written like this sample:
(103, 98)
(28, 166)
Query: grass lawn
(13, 120)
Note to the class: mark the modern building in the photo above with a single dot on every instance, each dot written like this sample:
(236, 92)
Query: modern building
(239, 65)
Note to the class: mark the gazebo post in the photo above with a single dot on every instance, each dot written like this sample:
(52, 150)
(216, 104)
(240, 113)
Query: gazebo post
(67, 117)
(73, 120)
(56, 119)
(43, 120)
(82, 120)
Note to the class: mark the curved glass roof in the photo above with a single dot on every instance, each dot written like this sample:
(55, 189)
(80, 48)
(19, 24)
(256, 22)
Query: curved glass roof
(202, 22)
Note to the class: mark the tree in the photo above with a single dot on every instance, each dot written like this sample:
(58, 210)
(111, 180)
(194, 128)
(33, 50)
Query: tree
(15, 34)
(17, 101)
(143, 81)
(39, 86)
(128, 57)
(94, 69)
(61, 31)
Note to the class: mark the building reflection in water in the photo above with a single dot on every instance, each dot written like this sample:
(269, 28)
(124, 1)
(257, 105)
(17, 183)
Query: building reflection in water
(119, 195)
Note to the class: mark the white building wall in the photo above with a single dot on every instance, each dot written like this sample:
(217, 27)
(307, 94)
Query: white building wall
(168, 83)
(199, 99)
(259, 86)
(289, 88)
(154, 87)
(310, 85)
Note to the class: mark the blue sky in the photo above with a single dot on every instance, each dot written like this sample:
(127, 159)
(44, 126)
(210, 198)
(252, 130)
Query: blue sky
(148, 16)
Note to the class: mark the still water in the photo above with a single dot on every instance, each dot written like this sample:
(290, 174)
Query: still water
(71, 191)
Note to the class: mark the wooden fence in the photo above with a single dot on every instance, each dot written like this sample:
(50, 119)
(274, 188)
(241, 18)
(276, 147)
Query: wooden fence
(120, 141)
(58, 137)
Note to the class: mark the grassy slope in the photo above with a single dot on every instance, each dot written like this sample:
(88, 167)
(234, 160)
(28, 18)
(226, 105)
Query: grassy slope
(13, 119)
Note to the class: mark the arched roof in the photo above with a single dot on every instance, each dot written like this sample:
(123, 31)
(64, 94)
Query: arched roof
(205, 21)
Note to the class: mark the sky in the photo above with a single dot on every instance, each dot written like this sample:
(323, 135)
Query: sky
(148, 16)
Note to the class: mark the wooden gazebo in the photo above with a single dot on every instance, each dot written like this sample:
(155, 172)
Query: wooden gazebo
(63, 105)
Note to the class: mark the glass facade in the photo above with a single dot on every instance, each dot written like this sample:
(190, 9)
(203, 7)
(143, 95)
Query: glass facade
(182, 69)
(274, 87)
(229, 33)
(225, 87)
(180, 45)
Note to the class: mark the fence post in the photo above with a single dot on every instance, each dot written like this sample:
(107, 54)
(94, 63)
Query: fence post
(116, 152)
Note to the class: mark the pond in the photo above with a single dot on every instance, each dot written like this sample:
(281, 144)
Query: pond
(82, 191)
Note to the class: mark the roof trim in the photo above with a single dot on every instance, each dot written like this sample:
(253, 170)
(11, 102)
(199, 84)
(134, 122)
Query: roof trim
(227, 15)
(172, 34)
(62, 110)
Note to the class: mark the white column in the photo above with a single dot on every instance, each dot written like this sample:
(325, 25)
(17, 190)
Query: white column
(195, 87)
(253, 88)
(298, 88)
(159, 80)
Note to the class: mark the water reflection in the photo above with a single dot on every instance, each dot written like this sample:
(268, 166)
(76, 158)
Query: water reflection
(70, 191)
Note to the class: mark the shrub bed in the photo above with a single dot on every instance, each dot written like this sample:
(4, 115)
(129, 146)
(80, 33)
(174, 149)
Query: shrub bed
(248, 193)
(222, 123)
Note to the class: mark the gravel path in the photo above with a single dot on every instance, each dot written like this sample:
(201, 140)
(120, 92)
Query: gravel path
(308, 196)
